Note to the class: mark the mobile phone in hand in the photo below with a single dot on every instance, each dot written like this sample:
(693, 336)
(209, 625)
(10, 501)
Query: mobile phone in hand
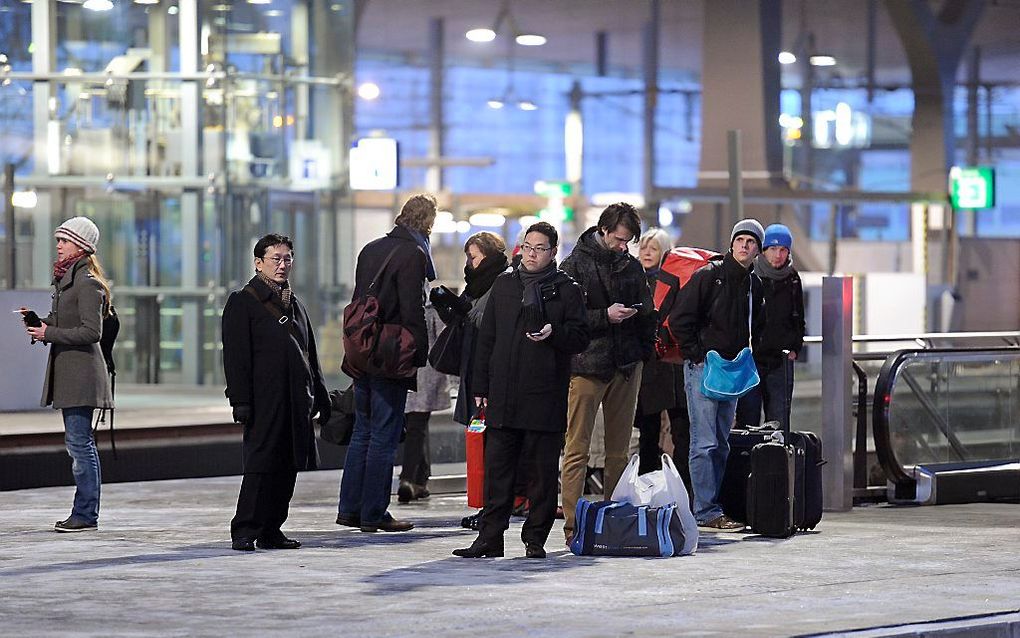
(534, 334)
(636, 306)
(31, 319)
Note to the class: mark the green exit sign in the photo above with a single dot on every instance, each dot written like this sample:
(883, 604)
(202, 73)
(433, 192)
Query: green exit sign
(547, 188)
(972, 187)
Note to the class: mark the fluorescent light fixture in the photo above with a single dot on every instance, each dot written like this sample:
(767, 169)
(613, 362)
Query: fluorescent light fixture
(173, 10)
(368, 90)
(530, 40)
(98, 5)
(463, 227)
(785, 57)
(480, 35)
(24, 199)
(146, 1)
(528, 220)
(822, 60)
(222, 8)
(444, 226)
(444, 216)
(487, 220)
(259, 1)
(790, 121)
(527, 105)
(495, 104)
(665, 217)
(273, 13)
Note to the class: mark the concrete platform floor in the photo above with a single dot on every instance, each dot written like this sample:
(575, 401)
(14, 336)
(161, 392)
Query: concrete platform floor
(161, 565)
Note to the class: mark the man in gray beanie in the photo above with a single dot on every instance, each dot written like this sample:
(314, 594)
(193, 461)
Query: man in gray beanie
(711, 313)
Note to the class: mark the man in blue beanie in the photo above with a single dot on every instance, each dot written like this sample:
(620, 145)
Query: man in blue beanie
(783, 336)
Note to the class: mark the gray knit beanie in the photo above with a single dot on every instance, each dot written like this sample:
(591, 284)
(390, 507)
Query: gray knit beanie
(748, 227)
(80, 231)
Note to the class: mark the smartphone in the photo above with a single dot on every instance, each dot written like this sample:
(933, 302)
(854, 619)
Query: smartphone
(534, 334)
(636, 306)
(31, 319)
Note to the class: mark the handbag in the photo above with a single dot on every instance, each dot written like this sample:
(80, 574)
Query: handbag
(728, 380)
(372, 347)
(445, 354)
(657, 489)
(341, 421)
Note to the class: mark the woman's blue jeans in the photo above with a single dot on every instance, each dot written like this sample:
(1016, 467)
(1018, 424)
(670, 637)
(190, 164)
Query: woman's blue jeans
(81, 446)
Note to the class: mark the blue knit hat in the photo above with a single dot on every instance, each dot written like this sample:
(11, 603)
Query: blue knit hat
(778, 235)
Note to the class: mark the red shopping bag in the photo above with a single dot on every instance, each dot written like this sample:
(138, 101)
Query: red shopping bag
(474, 440)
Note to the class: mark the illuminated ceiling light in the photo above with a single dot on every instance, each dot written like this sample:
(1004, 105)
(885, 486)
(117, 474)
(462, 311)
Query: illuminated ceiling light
(259, 1)
(98, 5)
(24, 199)
(172, 10)
(665, 217)
(444, 216)
(463, 227)
(785, 57)
(528, 220)
(222, 8)
(273, 13)
(146, 1)
(527, 105)
(822, 60)
(495, 104)
(368, 90)
(487, 220)
(480, 35)
(530, 40)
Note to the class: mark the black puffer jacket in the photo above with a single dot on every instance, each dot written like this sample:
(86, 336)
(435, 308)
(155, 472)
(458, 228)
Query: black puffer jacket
(784, 318)
(710, 312)
(609, 277)
(527, 382)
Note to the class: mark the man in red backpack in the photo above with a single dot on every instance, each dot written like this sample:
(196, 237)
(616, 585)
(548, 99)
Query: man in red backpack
(711, 313)
(395, 268)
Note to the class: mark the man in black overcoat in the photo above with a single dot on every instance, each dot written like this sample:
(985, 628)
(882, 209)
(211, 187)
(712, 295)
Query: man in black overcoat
(534, 322)
(275, 385)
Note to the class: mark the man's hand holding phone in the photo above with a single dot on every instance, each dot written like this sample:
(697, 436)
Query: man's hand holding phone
(618, 313)
(541, 334)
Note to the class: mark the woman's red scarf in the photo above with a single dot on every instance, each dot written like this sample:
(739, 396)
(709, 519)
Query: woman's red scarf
(61, 267)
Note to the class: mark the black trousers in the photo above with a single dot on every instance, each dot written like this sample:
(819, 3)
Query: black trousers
(648, 447)
(505, 448)
(416, 466)
(263, 504)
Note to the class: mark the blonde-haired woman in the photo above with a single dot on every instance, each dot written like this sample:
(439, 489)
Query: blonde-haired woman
(662, 384)
(76, 379)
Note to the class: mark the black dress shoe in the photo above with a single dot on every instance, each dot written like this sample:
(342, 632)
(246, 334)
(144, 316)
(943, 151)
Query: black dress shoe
(471, 522)
(348, 520)
(243, 544)
(388, 524)
(71, 524)
(280, 542)
(405, 492)
(420, 492)
(480, 549)
(534, 550)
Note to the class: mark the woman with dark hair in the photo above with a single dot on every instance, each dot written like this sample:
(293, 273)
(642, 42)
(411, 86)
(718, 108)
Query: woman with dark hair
(76, 379)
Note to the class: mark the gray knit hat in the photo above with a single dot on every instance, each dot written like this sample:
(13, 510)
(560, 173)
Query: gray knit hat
(80, 231)
(748, 227)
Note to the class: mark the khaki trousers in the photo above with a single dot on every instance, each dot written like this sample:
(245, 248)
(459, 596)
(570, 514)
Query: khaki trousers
(618, 398)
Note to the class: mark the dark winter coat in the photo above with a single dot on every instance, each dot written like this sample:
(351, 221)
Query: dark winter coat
(710, 312)
(784, 318)
(401, 288)
(275, 373)
(76, 371)
(527, 382)
(661, 382)
(609, 277)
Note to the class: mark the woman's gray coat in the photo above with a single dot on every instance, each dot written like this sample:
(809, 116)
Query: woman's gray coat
(76, 372)
(433, 386)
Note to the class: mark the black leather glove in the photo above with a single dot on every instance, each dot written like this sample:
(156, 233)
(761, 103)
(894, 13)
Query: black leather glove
(325, 410)
(242, 413)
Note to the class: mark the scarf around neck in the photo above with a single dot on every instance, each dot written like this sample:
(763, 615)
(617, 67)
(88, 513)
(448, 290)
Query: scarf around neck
(764, 269)
(283, 292)
(531, 301)
(423, 241)
(479, 280)
(61, 266)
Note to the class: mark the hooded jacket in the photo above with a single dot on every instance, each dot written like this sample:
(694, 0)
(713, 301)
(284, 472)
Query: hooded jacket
(609, 277)
(710, 312)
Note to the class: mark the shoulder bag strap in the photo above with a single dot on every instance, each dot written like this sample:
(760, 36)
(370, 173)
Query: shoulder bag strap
(382, 268)
(276, 313)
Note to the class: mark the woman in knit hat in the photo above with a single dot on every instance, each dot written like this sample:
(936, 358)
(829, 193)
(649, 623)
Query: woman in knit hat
(76, 379)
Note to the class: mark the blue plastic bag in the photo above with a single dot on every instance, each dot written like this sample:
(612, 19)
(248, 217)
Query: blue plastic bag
(725, 380)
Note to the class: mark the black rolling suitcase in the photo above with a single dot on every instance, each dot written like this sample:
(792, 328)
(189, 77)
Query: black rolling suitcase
(808, 487)
(771, 489)
(733, 491)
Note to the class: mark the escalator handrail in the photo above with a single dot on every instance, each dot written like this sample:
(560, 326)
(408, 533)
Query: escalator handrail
(906, 485)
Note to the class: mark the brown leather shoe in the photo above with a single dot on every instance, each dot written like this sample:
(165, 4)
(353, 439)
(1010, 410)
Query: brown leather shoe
(723, 523)
(388, 524)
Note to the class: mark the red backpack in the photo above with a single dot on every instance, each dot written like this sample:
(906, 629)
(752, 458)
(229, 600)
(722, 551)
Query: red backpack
(676, 271)
(372, 347)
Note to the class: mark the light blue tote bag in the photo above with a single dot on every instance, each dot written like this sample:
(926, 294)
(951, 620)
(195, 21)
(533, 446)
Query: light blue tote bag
(726, 380)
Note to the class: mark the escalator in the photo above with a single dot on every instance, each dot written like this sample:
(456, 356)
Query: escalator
(946, 423)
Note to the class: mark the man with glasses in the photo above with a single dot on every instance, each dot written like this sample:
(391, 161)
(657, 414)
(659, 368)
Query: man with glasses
(608, 373)
(275, 385)
(533, 322)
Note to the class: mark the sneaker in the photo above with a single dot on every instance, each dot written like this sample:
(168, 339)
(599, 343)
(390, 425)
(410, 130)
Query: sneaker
(71, 524)
(723, 523)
